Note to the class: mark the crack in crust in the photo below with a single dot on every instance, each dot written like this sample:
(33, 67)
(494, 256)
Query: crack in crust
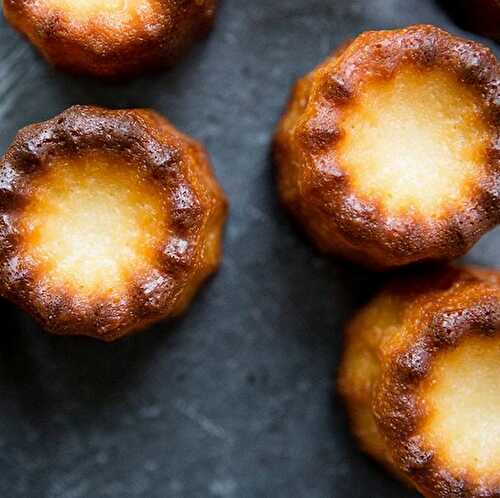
(175, 165)
(317, 188)
(133, 37)
(386, 373)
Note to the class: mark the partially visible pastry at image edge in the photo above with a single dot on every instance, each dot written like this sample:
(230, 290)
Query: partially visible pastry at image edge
(388, 153)
(109, 221)
(420, 376)
(111, 38)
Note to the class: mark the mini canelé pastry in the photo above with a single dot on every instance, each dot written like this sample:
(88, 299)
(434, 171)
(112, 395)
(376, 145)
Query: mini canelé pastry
(111, 38)
(109, 220)
(388, 153)
(420, 376)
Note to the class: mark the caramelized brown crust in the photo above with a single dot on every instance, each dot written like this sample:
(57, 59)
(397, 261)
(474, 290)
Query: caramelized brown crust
(386, 375)
(174, 165)
(319, 191)
(155, 33)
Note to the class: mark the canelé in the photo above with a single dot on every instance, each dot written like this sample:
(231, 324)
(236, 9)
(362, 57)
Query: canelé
(388, 153)
(111, 38)
(109, 220)
(420, 376)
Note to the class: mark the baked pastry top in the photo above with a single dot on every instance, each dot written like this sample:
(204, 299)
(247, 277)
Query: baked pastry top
(111, 38)
(420, 376)
(109, 220)
(388, 152)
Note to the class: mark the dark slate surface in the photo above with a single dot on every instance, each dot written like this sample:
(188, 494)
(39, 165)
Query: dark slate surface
(235, 399)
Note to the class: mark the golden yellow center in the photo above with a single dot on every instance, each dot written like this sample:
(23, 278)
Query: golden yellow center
(415, 143)
(462, 397)
(92, 223)
(113, 13)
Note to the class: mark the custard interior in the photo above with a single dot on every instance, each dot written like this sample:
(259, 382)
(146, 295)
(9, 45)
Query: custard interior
(112, 13)
(92, 223)
(415, 142)
(462, 400)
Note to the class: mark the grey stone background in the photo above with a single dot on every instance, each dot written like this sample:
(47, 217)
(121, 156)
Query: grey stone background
(236, 398)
